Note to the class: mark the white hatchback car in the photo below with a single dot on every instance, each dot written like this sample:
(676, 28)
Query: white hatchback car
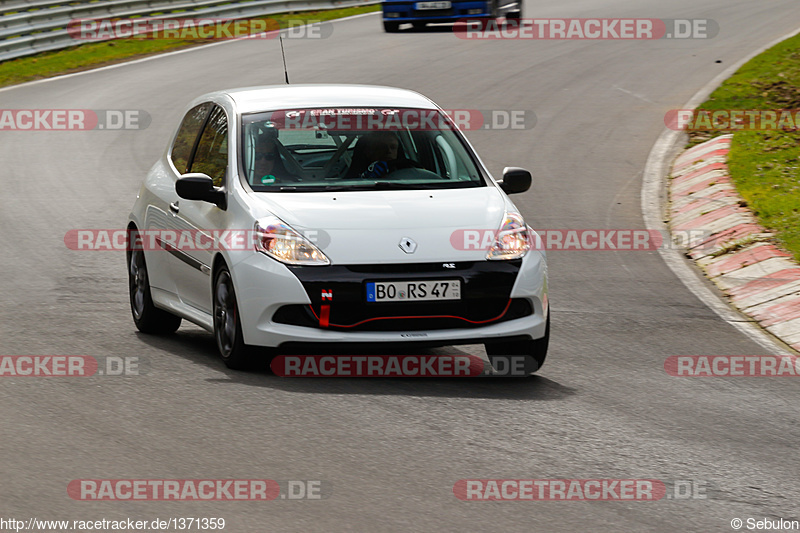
(308, 215)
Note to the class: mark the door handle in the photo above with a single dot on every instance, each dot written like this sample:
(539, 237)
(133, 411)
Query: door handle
(174, 207)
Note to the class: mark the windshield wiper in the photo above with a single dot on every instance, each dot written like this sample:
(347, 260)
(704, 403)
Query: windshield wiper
(376, 186)
(379, 185)
(393, 185)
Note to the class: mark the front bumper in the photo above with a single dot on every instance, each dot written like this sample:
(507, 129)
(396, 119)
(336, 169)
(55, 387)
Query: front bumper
(282, 306)
(406, 12)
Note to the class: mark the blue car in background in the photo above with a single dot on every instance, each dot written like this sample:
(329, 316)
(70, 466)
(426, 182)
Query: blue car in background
(420, 13)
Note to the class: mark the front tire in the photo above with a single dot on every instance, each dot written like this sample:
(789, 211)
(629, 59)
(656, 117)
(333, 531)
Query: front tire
(535, 351)
(227, 325)
(515, 15)
(147, 317)
(391, 27)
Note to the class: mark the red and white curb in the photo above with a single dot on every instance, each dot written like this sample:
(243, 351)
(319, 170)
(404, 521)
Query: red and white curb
(735, 252)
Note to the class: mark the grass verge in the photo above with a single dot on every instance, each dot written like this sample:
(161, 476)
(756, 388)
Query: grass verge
(97, 54)
(765, 165)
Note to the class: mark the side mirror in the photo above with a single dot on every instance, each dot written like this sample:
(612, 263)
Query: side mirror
(198, 186)
(515, 180)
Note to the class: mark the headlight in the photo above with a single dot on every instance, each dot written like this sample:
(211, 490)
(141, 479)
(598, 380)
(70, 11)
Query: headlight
(513, 240)
(279, 241)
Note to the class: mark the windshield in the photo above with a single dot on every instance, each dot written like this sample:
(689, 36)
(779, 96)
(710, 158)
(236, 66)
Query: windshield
(355, 149)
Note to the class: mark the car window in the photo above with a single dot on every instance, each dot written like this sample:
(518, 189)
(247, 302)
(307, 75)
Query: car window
(211, 157)
(187, 135)
(338, 149)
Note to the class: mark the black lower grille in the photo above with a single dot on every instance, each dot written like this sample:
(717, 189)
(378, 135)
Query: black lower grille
(416, 318)
(338, 297)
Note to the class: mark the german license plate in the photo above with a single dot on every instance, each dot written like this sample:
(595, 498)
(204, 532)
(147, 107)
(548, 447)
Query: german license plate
(413, 291)
(433, 5)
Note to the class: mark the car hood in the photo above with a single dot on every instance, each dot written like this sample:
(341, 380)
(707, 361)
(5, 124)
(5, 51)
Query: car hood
(367, 226)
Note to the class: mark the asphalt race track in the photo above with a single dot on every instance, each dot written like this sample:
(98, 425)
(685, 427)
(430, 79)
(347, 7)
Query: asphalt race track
(389, 451)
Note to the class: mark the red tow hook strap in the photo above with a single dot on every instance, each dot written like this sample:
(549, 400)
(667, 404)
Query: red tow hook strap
(324, 316)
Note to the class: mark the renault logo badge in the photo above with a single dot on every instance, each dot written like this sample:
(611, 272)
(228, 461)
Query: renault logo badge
(408, 245)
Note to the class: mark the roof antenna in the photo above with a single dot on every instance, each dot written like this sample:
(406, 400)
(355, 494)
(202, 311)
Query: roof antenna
(285, 70)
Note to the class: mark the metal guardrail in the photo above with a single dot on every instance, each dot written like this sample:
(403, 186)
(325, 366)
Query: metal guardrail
(31, 26)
